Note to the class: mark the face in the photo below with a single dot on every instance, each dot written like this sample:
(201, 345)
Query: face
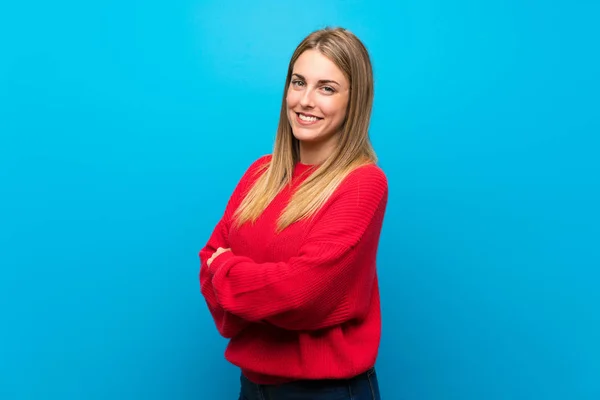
(317, 99)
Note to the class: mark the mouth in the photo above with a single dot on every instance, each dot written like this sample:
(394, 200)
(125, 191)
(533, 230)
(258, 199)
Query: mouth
(307, 119)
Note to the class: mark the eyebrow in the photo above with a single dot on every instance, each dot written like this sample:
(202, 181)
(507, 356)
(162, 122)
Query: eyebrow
(321, 81)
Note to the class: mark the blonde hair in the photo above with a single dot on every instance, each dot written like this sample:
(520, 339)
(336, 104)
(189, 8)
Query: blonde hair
(354, 146)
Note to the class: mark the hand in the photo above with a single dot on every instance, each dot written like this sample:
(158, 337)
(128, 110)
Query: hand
(216, 254)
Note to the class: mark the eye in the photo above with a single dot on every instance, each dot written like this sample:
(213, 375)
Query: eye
(328, 89)
(297, 83)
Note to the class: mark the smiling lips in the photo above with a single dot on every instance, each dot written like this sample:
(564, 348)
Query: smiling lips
(307, 119)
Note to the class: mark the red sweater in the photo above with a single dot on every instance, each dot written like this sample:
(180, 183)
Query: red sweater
(304, 303)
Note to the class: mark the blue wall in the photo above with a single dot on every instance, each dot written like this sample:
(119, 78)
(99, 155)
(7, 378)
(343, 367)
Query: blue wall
(124, 126)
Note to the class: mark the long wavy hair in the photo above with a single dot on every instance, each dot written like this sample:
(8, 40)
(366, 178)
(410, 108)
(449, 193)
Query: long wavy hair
(354, 147)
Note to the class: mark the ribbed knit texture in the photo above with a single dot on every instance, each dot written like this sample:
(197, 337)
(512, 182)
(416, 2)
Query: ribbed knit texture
(304, 303)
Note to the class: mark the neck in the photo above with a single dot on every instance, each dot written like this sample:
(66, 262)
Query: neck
(316, 153)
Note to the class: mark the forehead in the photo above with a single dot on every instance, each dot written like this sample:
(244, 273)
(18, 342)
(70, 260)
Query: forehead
(315, 66)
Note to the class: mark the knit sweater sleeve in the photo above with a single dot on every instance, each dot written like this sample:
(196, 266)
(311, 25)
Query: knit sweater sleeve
(227, 323)
(330, 280)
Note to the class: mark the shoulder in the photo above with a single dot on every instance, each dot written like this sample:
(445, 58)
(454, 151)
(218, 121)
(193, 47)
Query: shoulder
(359, 198)
(251, 174)
(363, 191)
(261, 161)
(367, 181)
(370, 172)
(257, 167)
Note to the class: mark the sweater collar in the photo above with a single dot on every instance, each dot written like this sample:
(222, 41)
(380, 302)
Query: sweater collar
(301, 168)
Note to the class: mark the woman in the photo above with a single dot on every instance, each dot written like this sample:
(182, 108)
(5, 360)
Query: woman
(289, 272)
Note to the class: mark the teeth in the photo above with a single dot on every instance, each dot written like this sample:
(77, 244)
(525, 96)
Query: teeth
(307, 119)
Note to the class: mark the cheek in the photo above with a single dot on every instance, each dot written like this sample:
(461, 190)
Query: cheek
(291, 99)
(334, 108)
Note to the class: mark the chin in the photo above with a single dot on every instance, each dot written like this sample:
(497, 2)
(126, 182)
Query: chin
(306, 136)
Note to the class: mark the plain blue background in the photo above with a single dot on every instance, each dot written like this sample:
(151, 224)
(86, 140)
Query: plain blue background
(124, 127)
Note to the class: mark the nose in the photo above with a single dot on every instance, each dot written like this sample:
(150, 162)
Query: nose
(307, 100)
